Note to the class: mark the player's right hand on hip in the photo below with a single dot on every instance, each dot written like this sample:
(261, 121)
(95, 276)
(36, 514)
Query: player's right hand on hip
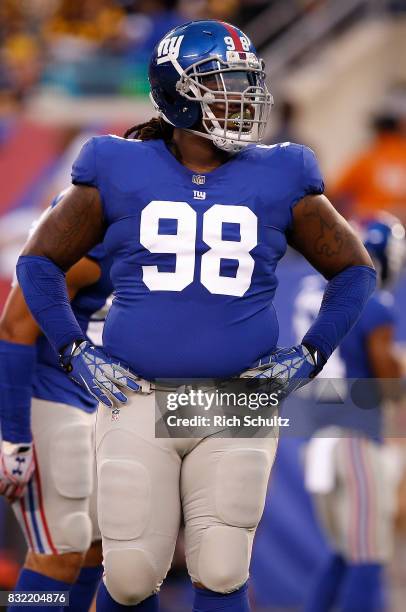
(101, 375)
(16, 468)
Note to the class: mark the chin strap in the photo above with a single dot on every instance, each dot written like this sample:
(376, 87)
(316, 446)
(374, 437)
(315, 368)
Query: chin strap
(230, 146)
(221, 143)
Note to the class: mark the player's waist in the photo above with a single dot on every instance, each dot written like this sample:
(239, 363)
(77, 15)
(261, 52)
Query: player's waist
(179, 343)
(166, 358)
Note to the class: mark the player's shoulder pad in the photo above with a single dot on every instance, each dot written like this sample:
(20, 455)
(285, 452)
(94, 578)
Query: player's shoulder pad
(101, 153)
(296, 161)
(286, 151)
(111, 142)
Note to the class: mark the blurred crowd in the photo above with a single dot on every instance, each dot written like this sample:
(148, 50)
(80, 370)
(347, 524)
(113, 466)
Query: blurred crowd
(101, 46)
(92, 46)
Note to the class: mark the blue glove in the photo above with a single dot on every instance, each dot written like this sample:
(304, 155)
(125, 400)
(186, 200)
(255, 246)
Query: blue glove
(98, 373)
(286, 369)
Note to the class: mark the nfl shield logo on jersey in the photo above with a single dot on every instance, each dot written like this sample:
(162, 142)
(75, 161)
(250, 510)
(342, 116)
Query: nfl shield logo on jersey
(198, 179)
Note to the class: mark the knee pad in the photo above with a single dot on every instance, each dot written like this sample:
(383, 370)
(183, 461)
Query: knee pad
(72, 460)
(129, 576)
(76, 528)
(241, 485)
(123, 516)
(224, 558)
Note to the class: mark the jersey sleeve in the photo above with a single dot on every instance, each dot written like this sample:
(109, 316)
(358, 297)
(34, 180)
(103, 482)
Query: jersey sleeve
(84, 167)
(307, 179)
(98, 253)
(312, 179)
(379, 311)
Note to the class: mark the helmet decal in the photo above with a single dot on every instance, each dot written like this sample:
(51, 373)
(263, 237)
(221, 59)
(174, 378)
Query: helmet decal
(233, 41)
(169, 48)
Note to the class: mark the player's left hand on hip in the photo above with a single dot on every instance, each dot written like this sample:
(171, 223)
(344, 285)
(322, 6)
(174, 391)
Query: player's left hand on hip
(16, 468)
(286, 369)
(101, 375)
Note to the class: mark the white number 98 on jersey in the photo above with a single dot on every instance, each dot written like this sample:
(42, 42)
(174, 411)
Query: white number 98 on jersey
(183, 245)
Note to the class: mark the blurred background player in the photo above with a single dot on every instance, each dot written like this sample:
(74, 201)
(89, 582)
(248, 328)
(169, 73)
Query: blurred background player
(347, 467)
(56, 506)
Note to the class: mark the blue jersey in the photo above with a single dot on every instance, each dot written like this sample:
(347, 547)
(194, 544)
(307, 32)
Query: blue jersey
(349, 360)
(50, 381)
(379, 311)
(194, 255)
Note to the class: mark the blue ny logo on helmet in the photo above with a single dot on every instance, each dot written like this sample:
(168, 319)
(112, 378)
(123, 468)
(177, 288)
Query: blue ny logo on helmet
(205, 77)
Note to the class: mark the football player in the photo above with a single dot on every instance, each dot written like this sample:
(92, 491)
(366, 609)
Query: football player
(355, 500)
(196, 214)
(56, 506)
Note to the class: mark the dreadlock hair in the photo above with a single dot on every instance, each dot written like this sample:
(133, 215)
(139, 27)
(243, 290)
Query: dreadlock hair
(154, 129)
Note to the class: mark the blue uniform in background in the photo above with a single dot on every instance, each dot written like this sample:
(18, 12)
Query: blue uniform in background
(290, 540)
(378, 312)
(64, 450)
(350, 360)
(194, 256)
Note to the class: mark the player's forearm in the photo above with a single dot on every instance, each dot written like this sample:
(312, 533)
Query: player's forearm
(16, 323)
(17, 363)
(19, 333)
(68, 232)
(388, 365)
(387, 368)
(384, 360)
(344, 300)
(44, 287)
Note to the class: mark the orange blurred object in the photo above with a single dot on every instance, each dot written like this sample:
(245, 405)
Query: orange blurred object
(377, 179)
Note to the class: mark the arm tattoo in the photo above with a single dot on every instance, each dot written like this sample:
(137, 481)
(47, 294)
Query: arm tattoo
(325, 238)
(329, 236)
(71, 229)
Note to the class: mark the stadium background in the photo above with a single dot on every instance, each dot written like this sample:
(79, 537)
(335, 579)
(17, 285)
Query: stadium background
(69, 70)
